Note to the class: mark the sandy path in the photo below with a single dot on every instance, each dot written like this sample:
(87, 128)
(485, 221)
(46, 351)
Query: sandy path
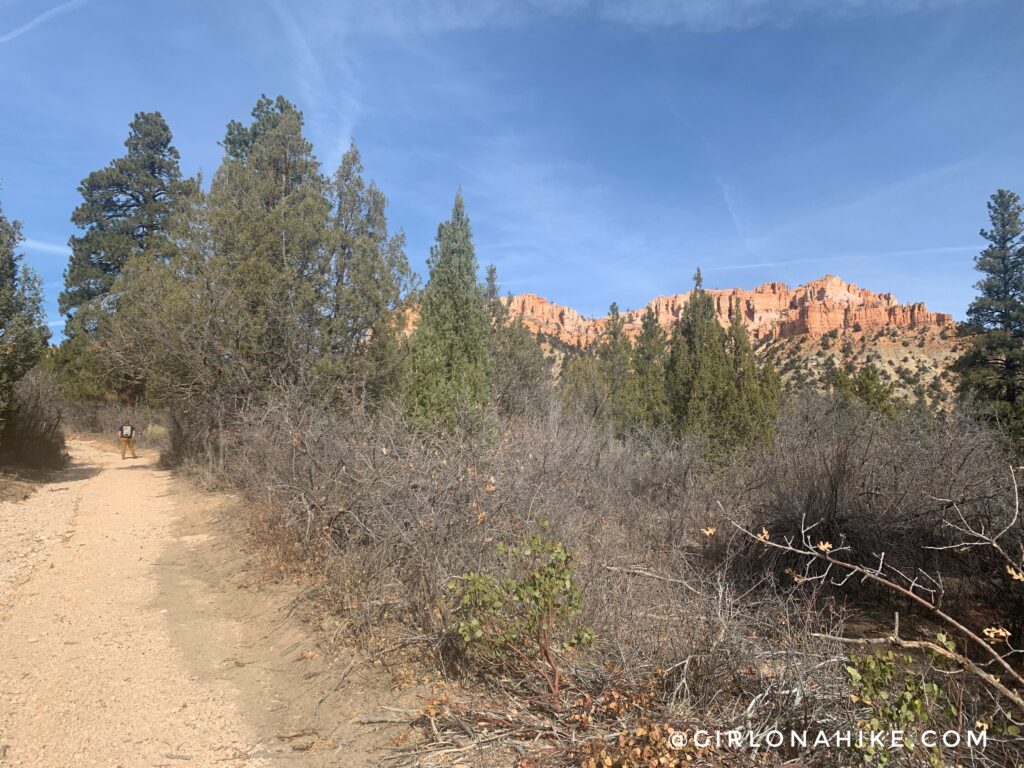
(134, 637)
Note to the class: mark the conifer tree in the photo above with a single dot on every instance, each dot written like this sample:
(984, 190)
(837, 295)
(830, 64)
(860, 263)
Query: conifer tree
(757, 388)
(363, 284)
(267, 219)
(714, 388)
(450, 362)
(520, 374)
(699, 381)
(615, 353)
(126, 210)
(23, 334)
(650, 358)
(993, 366)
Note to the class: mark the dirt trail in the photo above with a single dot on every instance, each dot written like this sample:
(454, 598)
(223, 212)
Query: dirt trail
(133, 632)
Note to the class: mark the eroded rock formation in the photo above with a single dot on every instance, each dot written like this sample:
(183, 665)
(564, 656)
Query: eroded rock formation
(772, 310)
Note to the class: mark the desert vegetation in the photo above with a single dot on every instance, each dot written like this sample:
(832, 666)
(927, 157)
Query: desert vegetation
(665, 537)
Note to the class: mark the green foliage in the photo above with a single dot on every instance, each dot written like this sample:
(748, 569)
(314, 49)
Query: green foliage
(278, 281)
(993, 366)
(266, 220)
(519, 372)
(525, 614)
(866, 388)
(615, 356)
(582, 387)
(450, 364)
(894, 696)
(650, 358)
(364, 281)
(714, 388)
(125, 211)
(23, 332)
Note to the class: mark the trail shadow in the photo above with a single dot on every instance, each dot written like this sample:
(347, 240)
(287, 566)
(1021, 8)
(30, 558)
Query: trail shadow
(78, 472)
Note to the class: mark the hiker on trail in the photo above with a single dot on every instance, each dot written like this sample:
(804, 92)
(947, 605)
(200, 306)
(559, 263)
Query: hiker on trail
(126, 435)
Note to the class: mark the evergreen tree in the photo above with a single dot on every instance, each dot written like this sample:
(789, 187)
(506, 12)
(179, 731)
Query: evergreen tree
(650, 359)
(268, 214)
(757, 388)
(993, 365)
(714, 388)
(520, 374)
(23, 333)
(865, 387)
(615, 353)
(450, 363)
(363, 285)
(699, 381)
(583, 388)
(126, 210)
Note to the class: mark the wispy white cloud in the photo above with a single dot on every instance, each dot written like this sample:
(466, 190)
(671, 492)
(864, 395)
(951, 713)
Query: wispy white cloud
(718, 15)
(937, 251)
(41, 246)
(42, 18)
(328, 84)
(404, 18)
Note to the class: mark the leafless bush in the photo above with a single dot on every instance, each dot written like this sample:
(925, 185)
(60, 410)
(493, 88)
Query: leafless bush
(683, 605)
(32, 434)
(394, 518)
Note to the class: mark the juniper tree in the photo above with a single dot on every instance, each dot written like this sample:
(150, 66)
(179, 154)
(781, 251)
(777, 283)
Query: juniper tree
(993, 365)
(268, 215)
(450, 363)
(363, 282)
(23, 333)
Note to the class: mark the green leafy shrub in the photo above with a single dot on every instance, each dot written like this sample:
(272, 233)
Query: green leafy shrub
(895, 697)
(525, 616)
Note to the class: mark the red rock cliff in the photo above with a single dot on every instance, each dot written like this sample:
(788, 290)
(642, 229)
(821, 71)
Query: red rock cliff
(772, 310)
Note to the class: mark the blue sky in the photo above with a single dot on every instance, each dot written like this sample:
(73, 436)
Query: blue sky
(606, 148)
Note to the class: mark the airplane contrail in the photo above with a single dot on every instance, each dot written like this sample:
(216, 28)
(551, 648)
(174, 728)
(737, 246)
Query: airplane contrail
(42, 18)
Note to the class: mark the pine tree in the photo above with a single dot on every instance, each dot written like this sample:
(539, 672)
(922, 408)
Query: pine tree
(23, 333)
(519, 373)
(126, 210)
(650, 358)
(993, 366)
(450, 362)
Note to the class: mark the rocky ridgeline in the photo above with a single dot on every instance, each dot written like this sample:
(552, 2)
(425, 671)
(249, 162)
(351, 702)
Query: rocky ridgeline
(771, 311)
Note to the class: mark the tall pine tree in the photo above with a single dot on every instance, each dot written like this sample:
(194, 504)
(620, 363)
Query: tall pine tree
(268, 217)
(450, 363)
(715, 391)
(126, 210)
(993, 365)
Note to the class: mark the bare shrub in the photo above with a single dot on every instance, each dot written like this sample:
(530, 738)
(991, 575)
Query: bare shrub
(32, 435)
(690, 618)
